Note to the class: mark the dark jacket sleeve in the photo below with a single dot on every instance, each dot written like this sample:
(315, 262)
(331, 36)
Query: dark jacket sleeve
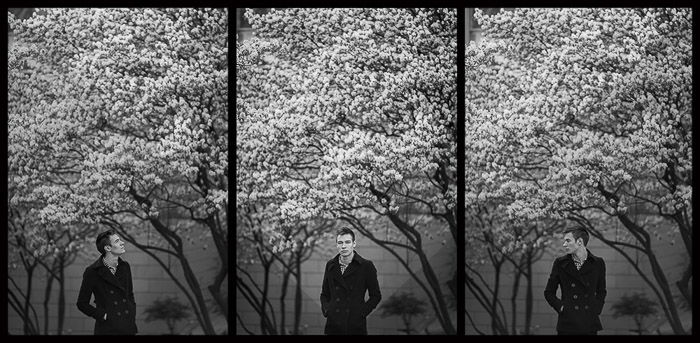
(325, 293)
(86, 290)
(601, 290)
(375, 295)
(550, 291)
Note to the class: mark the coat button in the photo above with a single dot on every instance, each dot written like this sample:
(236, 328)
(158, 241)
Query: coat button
(336, 287)
(576, 307)
(347, 310)
(115, 303)
(575, 296)
(573, 285)
(586, 307)
(337, 299)
(337, 310)
(126, 311)
(123, 300)
(111, 291)
(119, 313)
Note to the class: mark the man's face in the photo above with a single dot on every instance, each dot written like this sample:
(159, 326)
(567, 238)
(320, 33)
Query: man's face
(116, 245)
(570, 244)
(345, 244)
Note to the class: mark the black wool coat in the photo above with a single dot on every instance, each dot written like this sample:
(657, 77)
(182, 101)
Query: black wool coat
(114, 295)
(582, 293)
(343, 296)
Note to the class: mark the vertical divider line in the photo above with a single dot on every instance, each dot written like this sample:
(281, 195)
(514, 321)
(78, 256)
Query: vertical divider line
(232, 36)
(459, 210)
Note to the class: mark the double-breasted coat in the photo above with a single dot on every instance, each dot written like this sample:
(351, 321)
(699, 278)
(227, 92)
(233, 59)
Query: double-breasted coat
(343, 296)
(114, 295)
(582, 293)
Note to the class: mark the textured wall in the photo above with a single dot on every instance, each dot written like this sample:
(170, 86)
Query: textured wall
(621, 278)
(150, 282)
(392, 277)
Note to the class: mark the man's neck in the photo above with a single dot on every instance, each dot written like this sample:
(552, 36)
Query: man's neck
(111, 259)
(348, 259)
(581, 254)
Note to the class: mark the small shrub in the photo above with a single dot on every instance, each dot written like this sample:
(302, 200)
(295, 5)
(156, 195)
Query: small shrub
(637, 306)
(168, 309)
(405, 305)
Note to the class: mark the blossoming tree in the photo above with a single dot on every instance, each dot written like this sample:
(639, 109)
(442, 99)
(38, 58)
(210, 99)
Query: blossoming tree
(351, 118)
(118, 117)
(254, 234)
(585, 115)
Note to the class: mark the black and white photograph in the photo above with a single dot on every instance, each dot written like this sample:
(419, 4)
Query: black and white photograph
(346, 171)
(451, 171)
(578, 171)
(117, 173)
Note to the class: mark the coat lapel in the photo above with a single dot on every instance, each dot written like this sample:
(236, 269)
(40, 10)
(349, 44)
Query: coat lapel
(105, 274)
(588, 266)
(570, 268)
(354, 265)
(335, 271)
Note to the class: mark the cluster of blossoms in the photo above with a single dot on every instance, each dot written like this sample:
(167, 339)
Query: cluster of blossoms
(576, 109)
(354, 110)
(118, 111)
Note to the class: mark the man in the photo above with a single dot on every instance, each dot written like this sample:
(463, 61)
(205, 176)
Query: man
(346, 279)
(109, 279)
(581, 276)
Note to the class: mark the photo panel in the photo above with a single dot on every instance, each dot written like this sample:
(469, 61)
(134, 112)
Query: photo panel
(578, 171)
(117, 171)
(346, 171)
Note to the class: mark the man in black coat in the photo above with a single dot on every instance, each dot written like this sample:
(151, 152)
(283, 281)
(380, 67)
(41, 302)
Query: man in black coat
(109, 279)
(581, 276)
(346, 279)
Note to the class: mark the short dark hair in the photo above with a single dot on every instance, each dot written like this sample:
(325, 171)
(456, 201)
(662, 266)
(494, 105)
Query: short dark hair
(345, 231)
(578, 232)
(103, 239)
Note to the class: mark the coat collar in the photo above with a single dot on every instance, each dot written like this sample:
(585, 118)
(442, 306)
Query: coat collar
(334, 267)
(570, 267)
(107, 275)
(356, 258)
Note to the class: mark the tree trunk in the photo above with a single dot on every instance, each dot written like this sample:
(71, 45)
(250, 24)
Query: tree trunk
(61, 295)
(642, 236)
(498, 327)
(221, 243)
(513, 298)
(657, 271)
(528, 293)
(441, 307)
(283, 307)
(47, 297)
(298, 295)
(29, 328)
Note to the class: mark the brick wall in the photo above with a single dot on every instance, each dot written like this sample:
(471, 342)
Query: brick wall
(621, 278)
(150, 282)
(392, 277)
